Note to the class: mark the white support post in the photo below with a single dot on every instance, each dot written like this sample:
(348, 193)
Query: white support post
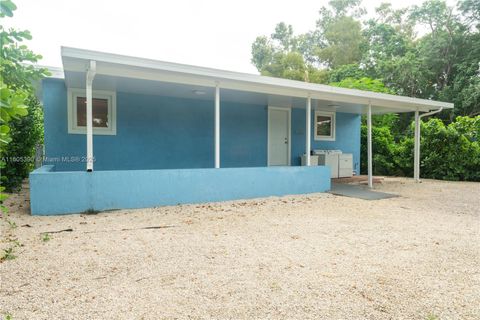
(217, 126)
(89, 82)
(308, 119)
(416, 149)
(416, 160)
(369, 145)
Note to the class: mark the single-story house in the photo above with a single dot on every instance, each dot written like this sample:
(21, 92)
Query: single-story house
(127, 132)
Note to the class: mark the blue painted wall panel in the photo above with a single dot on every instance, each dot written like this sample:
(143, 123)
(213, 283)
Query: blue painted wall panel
(243, 135)
(78, 191)
(347, 136)
(58, 192)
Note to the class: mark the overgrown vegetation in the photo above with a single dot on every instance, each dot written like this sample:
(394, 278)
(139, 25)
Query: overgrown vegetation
(12, 224)
(21, 120)
(46, 237)
(8, 254)
(449, 152)
(386, 54)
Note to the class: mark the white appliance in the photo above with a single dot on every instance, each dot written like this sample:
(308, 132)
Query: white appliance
(340, 163)
(345, 165)
(313, 160)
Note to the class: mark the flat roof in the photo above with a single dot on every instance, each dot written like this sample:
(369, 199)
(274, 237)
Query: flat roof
(115, 67)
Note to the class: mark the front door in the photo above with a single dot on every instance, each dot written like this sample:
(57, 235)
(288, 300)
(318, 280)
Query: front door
(278, 136)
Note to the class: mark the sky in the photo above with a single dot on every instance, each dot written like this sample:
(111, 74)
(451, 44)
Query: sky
(209, 33)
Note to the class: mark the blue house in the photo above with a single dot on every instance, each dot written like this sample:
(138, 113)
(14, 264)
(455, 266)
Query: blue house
(127, 132)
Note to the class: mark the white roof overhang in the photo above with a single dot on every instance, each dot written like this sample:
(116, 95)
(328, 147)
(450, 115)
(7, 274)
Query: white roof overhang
(125, 73)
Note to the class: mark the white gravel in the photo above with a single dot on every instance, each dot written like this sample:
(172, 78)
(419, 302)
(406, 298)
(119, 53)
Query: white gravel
(299, 257)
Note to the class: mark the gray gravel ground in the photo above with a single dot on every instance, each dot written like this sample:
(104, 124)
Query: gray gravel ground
(317, 256)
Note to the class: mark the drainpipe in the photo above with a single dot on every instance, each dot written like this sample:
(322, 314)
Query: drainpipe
(88, 85)
(308, 120)
(416, 160)
(217, 125)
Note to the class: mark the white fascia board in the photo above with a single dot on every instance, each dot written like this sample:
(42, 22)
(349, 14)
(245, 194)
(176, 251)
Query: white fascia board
(77, 59)
(55, 72)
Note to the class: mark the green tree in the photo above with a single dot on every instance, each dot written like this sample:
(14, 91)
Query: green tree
(288, 65)
(451, 152)
(353, 71)
(470, 9)
(464, 87)
(20, 112)
(285, 55)
(342, 42)
(12, 106)
(387, 40)
(262, 53)
(336, 41)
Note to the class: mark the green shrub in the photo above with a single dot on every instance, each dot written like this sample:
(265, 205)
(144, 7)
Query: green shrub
(19, 154)
(20, 113)
(384, 150)
(449, 152)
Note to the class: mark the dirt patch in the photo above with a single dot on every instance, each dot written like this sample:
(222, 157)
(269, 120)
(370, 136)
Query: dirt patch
(316, 256)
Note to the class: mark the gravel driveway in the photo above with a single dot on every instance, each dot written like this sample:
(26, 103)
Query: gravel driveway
(298, 257)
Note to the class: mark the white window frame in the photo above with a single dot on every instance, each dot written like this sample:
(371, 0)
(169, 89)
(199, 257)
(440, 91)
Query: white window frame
(110, 96)
(331, 137)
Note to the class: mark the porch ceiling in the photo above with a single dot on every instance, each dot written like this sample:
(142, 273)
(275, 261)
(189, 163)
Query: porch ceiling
(144, 76)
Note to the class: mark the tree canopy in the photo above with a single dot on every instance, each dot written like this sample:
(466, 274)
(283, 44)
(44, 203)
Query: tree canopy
(442, 63)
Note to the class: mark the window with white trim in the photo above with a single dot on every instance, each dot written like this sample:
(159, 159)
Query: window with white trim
(104, 109)
(324, 125)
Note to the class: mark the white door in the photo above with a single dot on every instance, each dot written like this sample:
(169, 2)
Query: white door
(278, 136)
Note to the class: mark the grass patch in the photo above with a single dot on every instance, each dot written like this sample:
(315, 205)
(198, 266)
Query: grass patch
(11, 224)
(46, 237)
(8, 254)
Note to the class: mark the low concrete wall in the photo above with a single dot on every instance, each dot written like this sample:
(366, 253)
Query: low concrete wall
(53, 193)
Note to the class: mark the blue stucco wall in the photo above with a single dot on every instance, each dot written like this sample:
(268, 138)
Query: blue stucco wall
(347, 136)
(243, 135)
(54, 193)
(156, 132)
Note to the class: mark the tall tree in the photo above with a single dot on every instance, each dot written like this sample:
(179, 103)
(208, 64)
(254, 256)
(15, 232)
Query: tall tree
(286, 55)
(336, 41)
(25, 126)
(342, 42)
(471, 11)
